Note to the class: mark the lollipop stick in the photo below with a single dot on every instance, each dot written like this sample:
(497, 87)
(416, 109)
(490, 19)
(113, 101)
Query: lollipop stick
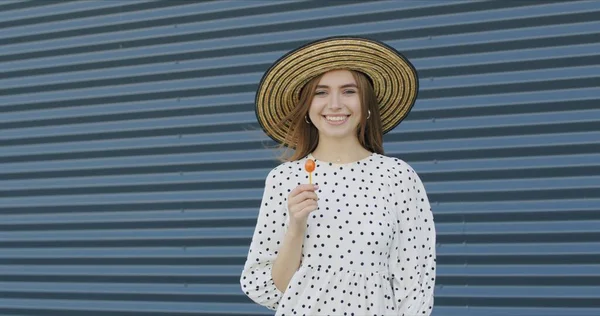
(309, 178)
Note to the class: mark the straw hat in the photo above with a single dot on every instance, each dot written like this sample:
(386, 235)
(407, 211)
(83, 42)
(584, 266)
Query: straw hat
(394, 79)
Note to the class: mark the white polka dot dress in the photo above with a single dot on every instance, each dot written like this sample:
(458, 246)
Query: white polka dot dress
(369, 248)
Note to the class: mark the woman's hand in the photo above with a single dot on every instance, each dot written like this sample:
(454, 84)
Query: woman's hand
(301, 202)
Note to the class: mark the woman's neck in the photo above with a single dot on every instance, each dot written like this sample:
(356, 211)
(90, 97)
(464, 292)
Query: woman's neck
(340, 151)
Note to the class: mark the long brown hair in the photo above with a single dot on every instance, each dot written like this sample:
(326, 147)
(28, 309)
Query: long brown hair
(304, 137)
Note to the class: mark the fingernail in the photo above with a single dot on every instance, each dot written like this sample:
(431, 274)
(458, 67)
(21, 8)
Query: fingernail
(316, 186)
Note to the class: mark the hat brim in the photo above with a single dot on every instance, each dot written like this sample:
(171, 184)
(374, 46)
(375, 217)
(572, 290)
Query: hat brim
(395, 80)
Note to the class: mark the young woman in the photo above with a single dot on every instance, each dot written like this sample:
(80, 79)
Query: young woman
(361, 239)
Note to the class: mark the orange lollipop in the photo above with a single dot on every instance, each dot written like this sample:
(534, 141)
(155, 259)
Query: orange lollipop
(310, 167)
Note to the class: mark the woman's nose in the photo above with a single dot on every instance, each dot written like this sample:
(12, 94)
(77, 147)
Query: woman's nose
(334, 101)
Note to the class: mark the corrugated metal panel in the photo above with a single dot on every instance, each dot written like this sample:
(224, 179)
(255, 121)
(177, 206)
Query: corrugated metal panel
(131, 164)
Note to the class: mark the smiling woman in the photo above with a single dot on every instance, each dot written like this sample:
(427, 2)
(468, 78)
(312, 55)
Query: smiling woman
(361, 240)
(342, 105)
(385, 80)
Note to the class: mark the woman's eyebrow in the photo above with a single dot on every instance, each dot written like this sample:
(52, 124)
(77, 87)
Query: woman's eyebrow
(348, 85)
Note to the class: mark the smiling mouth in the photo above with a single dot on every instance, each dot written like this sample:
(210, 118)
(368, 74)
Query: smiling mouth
(336, 119)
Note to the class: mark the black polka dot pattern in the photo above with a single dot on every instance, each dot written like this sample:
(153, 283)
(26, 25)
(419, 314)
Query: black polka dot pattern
(369, 248)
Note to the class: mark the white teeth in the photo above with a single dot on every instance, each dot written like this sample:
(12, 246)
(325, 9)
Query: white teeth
(335, 118)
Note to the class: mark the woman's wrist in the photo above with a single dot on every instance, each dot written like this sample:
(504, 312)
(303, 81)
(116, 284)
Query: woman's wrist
(295, 232)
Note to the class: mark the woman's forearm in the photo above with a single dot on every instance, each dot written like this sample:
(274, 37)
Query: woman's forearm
(288, 259)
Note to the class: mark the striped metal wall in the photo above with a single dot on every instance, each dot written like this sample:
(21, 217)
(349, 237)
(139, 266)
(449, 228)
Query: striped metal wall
(131, 164)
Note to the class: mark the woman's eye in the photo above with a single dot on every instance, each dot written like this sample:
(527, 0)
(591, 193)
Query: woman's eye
(320, 93)
(350, 91)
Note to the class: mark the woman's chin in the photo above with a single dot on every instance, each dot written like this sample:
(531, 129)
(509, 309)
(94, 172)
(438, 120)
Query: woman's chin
(337, 135)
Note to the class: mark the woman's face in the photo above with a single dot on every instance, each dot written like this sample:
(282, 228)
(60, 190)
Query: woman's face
(335, 109)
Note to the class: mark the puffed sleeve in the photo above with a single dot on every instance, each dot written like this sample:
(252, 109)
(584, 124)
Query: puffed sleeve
(413, 255)
(256, 280)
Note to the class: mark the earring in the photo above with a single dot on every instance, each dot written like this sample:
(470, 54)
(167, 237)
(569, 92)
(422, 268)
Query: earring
(306, 120)
(369, 114)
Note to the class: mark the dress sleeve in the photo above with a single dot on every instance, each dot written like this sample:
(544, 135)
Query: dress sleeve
(413, 255)
(256, 280)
